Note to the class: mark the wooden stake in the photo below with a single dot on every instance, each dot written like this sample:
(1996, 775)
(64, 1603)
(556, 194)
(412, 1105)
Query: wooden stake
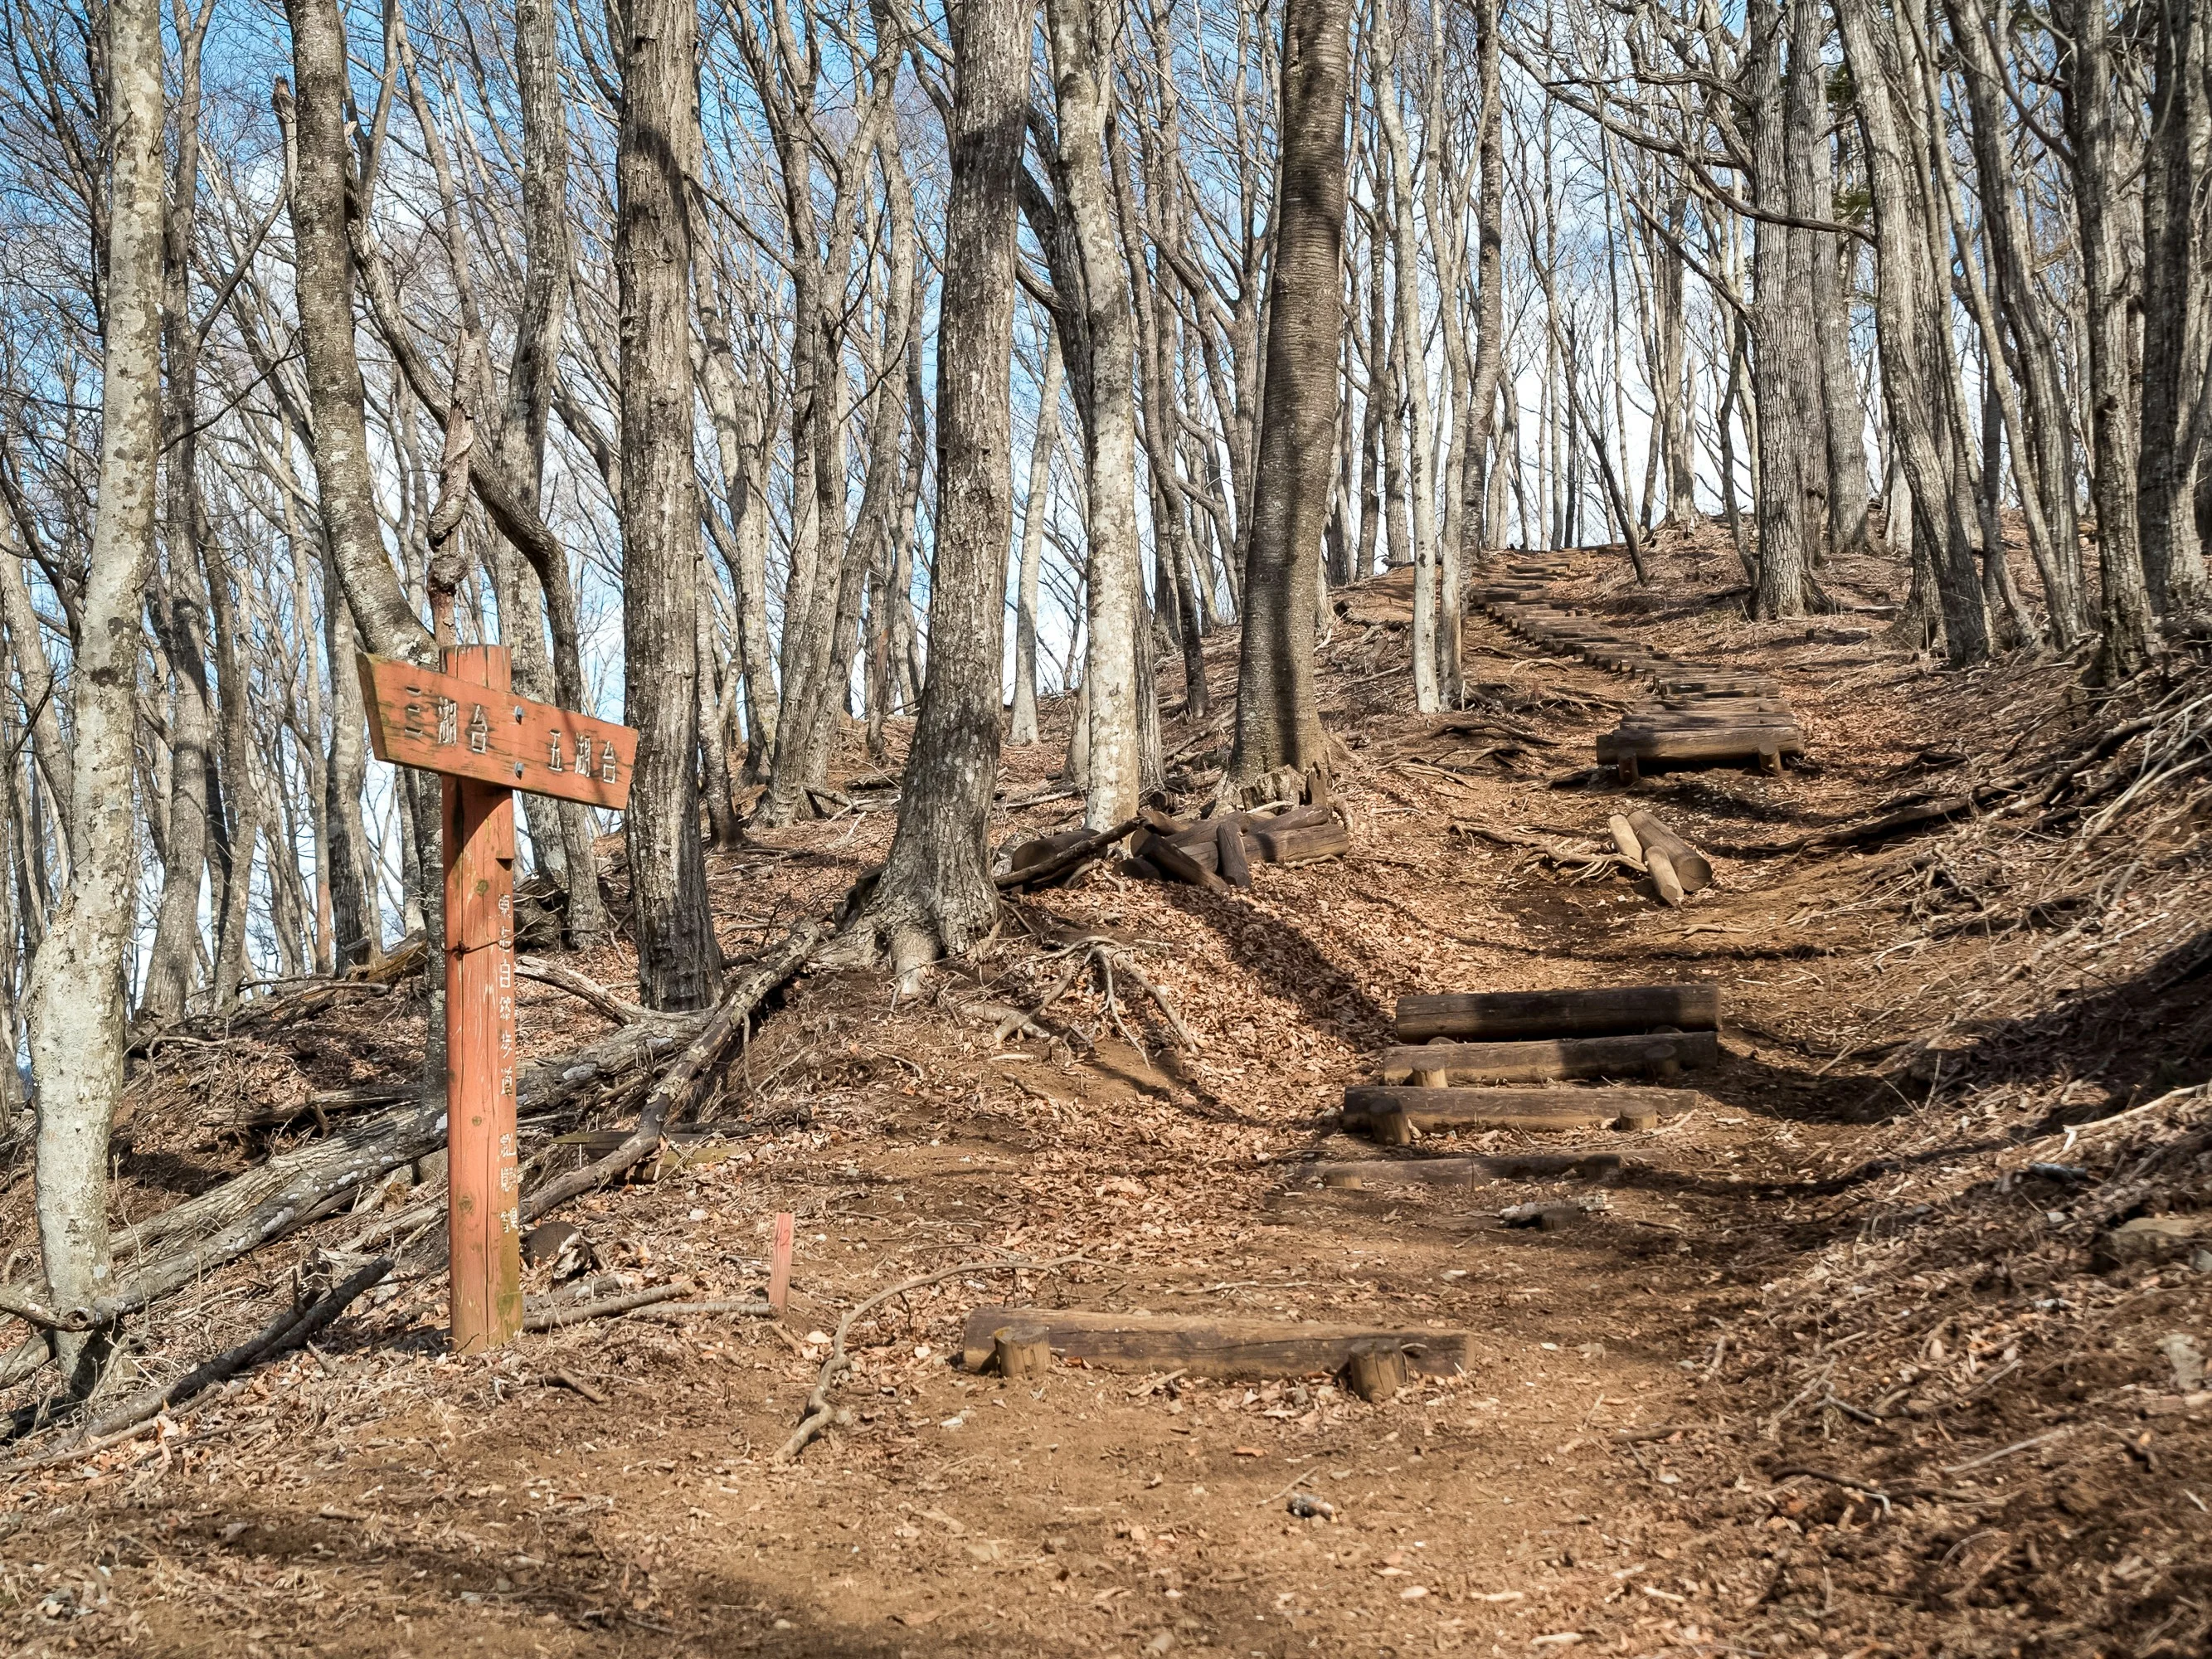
(778, 1265)
(483, 1187)
(1019, 1351)
(1377, 1373)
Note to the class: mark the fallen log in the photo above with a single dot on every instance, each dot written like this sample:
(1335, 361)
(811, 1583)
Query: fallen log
(296, 1325)
(586, 990)
(1691, 867)
(189, 1240)
(1544, 1059)
(1067, 858)
(678, 1087)
(1302, 844)
(1469, 1171)
(1605, 1011)
(1043, 848)
(1204, 1346)
(1235, 869)
(1180, 865)
(1392, 1111)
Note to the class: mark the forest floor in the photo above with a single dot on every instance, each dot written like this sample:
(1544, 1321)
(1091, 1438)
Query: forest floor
(1834, 1373)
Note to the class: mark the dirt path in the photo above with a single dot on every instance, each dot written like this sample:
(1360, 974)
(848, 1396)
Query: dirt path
(612, 1489)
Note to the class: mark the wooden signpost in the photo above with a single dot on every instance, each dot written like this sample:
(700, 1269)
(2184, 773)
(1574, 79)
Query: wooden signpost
(484, 743)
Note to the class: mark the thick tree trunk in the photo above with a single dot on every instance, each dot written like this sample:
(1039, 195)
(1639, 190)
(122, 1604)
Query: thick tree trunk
(679, 962)
(2174, 324)
(1278, 722)
(935, 895)
(75, 1001)
(1792, 505)
(2103, 156)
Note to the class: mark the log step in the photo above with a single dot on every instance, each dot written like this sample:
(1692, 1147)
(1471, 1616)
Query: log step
(1551, 1058)
(1711, 745)
(1355, 1173)
(1603, 1010)
(1228, 1348)
(1392, 1111)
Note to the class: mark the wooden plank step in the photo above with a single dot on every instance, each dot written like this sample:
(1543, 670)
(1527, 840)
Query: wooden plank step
(1711, 745)
(1205, 1346)
(1392, 1111)
(1599, 1010)
(1549, 1058)
(1356, 1173)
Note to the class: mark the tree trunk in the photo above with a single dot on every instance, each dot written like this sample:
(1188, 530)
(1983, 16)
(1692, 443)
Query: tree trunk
(935, 895)
(1278, 722)
(1082, 69)
(2095, 114)
(2173, 310)
(323, 294)
(679, 962)
(1420, 437)
(2043, 441)
(1792, 505)
(1912, 320)
(1024, 726)
(75, 1001)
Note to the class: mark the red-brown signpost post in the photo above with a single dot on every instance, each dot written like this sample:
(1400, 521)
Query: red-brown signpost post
(464, 724)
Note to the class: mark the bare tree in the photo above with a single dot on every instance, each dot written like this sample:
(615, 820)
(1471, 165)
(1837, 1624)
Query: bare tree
(75, 1008)
(678, 961)
(935, 895)
(1278, 722)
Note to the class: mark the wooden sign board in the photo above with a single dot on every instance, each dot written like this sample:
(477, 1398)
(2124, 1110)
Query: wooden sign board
(463, 722)
(439, 721)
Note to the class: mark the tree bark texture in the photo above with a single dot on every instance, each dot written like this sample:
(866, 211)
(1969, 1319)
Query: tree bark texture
(679, 960)
(1278, 722)
(935, 895)
(75, 1000)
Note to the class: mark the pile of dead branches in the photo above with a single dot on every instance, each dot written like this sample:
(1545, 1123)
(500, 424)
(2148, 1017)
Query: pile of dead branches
(658, 1065)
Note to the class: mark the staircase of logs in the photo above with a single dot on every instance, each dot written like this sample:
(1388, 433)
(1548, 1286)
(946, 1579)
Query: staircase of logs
(1537, 1060)
(1695, 715)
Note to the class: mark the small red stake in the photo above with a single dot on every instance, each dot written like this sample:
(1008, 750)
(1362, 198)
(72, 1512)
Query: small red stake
(778, 1265)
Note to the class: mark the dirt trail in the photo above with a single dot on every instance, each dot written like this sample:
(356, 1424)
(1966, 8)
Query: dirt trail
(1606, 1475)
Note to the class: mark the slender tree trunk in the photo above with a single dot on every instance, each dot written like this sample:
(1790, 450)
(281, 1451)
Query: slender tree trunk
(1081, 33)
(678, 961)
(1024, 726)
(1420, 435)
(1278, 722)
(1912, 323)
(935, 895)
(74, 1004)
(2042, 440)
(323, 294)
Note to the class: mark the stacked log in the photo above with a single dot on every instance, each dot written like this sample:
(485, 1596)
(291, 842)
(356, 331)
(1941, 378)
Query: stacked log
(1459, 1054)
(1214, 853)
(1695, 715)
